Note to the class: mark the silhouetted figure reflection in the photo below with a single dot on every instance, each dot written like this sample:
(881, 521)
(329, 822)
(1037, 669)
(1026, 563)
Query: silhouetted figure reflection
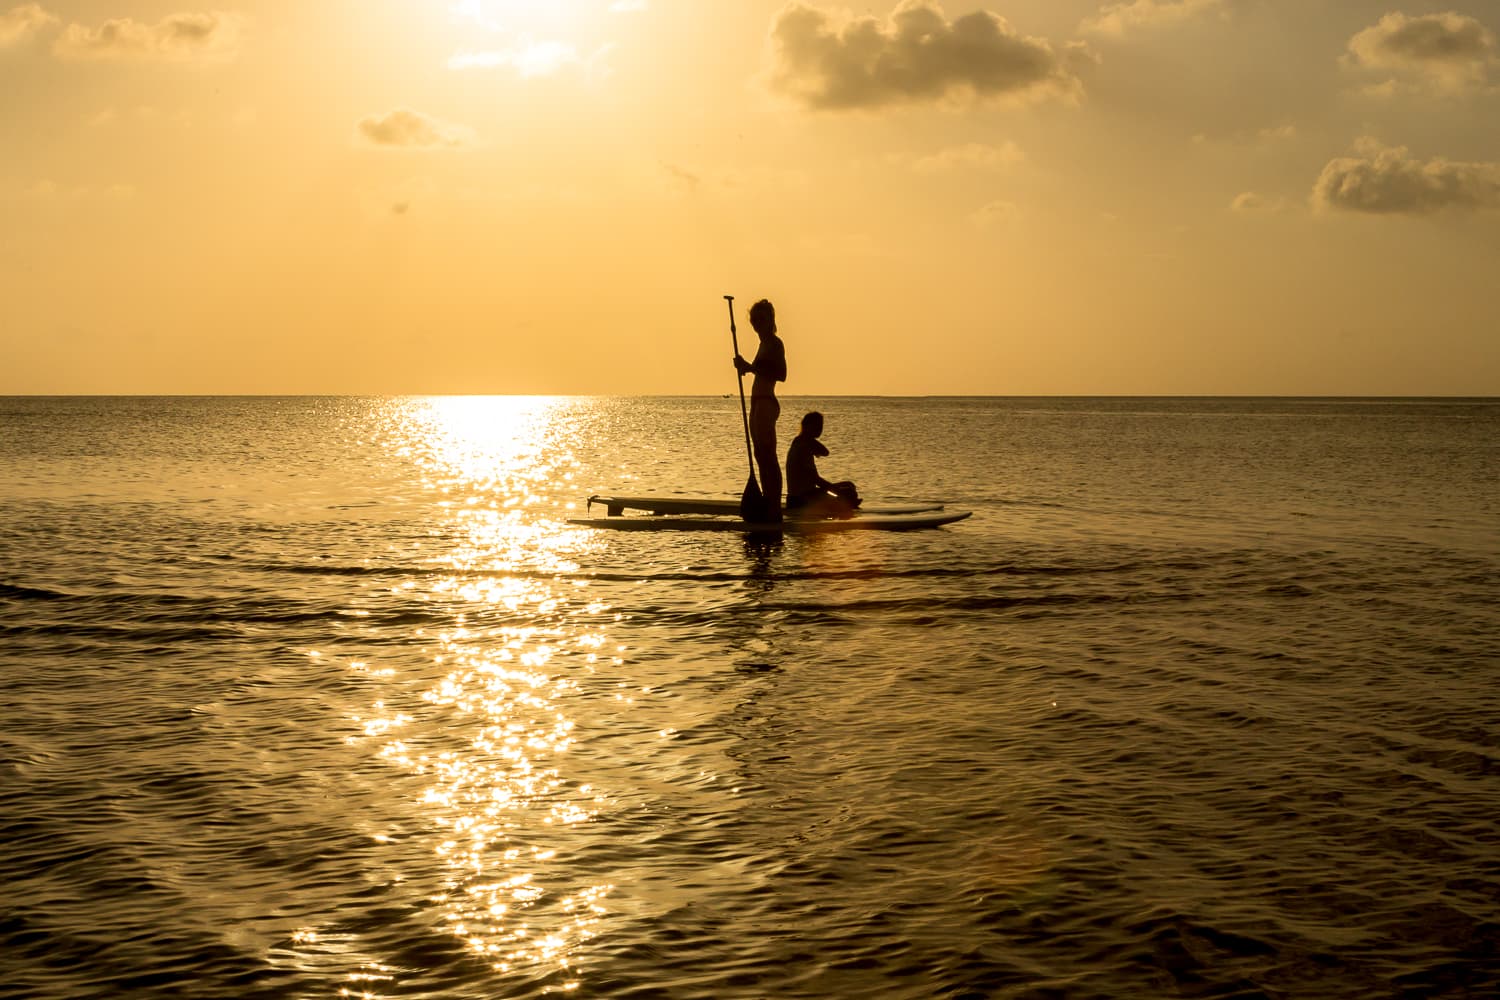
(807, 493)
(761, 550)
(769, 367)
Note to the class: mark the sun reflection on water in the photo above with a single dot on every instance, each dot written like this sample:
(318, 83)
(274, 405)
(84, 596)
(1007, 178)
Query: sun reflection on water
(491, 737)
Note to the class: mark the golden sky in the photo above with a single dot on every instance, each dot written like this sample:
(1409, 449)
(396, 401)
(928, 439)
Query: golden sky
(552, 196)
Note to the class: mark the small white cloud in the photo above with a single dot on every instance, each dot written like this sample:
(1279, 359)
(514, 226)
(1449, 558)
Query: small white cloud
(993, 214)
(733, 182)
(1119, 19)
(1260, 138)
(835, 61)
(473, 12)
(20, 24)
(973, 156)
(177, 36)
(1387, 180)
(1252, 203)
(1448, 52)
(529, 58)
(404, 129)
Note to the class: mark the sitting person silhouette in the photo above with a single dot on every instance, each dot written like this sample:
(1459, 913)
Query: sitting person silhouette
(808, 494)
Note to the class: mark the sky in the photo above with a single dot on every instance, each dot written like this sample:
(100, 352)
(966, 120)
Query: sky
(1027, 197)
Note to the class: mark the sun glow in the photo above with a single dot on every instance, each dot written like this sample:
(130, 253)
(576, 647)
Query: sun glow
(516, 15)
(531, 37)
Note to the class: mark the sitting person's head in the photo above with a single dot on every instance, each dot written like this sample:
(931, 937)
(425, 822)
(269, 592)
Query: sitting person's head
(763, 317)
(812, 424)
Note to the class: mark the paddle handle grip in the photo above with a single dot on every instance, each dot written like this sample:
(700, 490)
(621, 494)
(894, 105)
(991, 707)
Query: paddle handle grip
(734, 337)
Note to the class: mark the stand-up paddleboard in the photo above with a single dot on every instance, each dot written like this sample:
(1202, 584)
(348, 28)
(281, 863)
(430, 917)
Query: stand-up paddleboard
(792, 525)
(709, 506)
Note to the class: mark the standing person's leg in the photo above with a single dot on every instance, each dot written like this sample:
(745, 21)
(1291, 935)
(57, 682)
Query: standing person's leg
(763, 414)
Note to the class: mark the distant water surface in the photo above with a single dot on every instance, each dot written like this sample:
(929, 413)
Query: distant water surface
(320, 697)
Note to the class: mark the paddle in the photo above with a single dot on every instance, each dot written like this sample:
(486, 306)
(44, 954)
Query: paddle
(752, 502)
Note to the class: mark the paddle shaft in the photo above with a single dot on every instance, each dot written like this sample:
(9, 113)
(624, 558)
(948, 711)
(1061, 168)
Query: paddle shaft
(734, 339)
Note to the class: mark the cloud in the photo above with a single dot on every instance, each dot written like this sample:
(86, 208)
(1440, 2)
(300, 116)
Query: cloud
(20, 23)
(1260, 139)
(528, 59)
(473, 12)
(838, 62)
(973, 155)
(993, 214)
(733, 182)
(176, 36)
(1119, 18)
(1386, 180)
(403, 129)
(532, 58)
(1251, 203)
(1449, 52)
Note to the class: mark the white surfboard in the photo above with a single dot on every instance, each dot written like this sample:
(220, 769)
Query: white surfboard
(709, 506)
(859, 522)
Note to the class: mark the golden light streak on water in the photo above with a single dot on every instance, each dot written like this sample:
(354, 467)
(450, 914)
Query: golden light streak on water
(493, 733)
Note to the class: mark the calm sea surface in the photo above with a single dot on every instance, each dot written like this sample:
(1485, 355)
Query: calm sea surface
(321, 698)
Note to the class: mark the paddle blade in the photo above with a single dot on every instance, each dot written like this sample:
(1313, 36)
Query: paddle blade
(752, 502)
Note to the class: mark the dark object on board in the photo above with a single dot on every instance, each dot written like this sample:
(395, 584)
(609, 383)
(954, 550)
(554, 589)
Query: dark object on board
(846, 492)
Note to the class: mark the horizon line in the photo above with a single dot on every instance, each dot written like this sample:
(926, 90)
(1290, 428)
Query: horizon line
(715, 395)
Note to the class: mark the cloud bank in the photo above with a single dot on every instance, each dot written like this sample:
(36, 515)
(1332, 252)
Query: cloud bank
(186, 35)
(1386, 180)
(20, 23)
(1121, 18)
(1449, 51)
(835, 62)
(404, 129)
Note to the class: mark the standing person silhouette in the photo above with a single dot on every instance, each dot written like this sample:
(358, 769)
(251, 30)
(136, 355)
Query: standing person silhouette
(769, 367)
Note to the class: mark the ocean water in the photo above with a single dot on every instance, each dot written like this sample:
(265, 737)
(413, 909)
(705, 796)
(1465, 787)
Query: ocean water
(320, 698)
